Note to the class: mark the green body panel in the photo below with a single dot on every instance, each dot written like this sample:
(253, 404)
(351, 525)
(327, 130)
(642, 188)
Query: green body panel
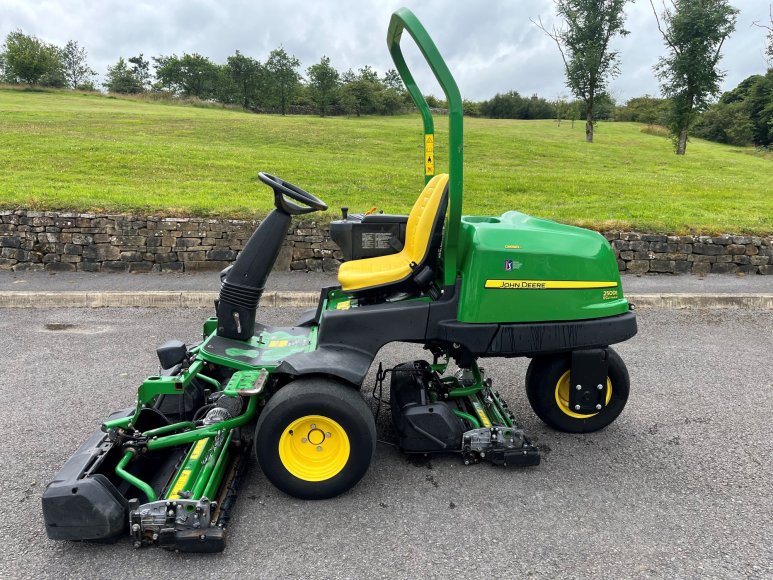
(514, 248)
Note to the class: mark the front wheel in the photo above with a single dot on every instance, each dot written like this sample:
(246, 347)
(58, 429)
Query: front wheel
(315, 438)
(547, 387)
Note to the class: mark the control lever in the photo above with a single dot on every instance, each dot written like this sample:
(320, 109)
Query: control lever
(344, 212)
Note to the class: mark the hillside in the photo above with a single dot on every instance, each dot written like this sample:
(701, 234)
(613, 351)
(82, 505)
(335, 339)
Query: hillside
(93, 153)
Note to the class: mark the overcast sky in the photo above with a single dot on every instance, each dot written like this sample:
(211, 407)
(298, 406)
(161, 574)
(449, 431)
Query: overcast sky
(490, 46)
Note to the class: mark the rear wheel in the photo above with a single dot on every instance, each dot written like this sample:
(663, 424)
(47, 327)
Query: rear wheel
(547, 386)
(315, 438)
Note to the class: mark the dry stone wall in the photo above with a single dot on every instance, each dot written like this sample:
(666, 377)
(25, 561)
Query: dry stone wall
(727, 254)
(68, 242)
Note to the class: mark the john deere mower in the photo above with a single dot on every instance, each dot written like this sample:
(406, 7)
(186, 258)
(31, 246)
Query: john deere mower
(166, 469)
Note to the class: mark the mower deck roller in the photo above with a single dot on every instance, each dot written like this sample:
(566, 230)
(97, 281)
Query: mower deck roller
(166, 470)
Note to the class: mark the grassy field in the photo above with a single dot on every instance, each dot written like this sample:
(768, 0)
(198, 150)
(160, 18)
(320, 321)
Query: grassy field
(79, 152)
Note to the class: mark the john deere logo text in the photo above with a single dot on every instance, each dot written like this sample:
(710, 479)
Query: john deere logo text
(518, 284)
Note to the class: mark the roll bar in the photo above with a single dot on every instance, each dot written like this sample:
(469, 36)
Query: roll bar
(404, 19)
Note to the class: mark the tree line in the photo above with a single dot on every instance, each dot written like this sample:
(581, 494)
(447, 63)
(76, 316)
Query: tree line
(693, 32)
(275, 85)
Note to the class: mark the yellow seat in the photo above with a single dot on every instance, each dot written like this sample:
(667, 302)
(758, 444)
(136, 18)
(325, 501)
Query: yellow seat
(358, 275)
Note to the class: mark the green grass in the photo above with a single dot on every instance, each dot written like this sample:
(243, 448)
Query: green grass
(85, 152)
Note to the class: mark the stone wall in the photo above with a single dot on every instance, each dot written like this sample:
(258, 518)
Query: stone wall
(61, 242)
(727, 254)
(67, 242)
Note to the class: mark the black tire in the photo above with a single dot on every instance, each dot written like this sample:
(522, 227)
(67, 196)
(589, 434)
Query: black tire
(342, 411)
(542, 388)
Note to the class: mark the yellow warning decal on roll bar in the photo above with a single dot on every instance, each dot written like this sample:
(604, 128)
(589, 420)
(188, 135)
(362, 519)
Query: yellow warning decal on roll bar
(429, 155)
(548, 284)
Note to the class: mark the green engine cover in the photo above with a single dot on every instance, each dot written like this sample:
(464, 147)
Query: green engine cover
(517, 268)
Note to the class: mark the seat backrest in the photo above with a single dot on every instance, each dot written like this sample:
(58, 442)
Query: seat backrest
(426, 220)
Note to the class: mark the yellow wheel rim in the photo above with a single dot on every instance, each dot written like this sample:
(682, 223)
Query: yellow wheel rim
(314, 448)
(562, 397)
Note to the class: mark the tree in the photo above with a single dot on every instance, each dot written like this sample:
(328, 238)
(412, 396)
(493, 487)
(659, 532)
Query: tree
(362, 93)
(54, 77)
(725, 123)
(283, 76)
(603, 107)
(367, 74)
(511, 105)
(29, 60)
(323, 83)
(470, 108)
(348, 76)
(190, 75)
(141, 71)
(390, 101)
(743, 115)
(75, 66)
(347, 100)
(759, 106)
(434, 103)
(504, 106)
(121, 79)
(392, 80)
(646, 109)
(354, 97)
(562, 108)
(694, 32)
(248, 76)
(583, 41)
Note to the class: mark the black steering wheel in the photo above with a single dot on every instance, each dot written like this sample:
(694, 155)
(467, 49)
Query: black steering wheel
(284, 188)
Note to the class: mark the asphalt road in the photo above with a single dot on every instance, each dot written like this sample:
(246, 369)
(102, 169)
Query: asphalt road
(678, 487)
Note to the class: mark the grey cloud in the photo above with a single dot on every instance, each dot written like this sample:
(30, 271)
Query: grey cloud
(490, 46)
